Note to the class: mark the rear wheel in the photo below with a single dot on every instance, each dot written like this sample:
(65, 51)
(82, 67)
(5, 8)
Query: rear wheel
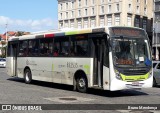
(154, 82)
(27, 76)
(81, 84)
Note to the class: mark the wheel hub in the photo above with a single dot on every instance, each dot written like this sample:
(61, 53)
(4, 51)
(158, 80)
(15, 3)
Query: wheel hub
(82, 83)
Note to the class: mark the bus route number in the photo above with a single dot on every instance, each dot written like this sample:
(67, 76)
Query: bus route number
(72, 65)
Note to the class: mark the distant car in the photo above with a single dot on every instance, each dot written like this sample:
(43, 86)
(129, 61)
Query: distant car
(156, 73)
(2, 62)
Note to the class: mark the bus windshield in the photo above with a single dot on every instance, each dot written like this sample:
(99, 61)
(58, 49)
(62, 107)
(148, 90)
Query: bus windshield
(128, 51)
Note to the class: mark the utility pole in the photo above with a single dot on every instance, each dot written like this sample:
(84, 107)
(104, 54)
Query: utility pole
(6, 33)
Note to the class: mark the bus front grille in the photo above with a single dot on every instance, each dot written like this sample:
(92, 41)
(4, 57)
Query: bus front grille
(135, 72)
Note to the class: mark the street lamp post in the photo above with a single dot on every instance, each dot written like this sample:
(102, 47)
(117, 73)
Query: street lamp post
(156, 41)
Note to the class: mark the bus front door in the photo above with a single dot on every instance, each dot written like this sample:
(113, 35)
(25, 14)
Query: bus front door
(14, 51)
(98, 62)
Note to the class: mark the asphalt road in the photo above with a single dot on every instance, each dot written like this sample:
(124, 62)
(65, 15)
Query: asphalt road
(15, 91)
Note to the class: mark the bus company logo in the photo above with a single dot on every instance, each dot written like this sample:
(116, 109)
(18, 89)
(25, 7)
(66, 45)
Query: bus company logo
(6, 107)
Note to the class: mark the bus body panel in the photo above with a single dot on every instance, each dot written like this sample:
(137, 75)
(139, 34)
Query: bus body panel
(106, 78)
(9, 65)
(57, 70)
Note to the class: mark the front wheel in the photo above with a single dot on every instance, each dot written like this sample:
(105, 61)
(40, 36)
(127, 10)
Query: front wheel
(27, 76)
(81, 84)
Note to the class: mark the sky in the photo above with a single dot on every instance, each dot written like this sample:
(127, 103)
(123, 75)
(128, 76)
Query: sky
(28, 15)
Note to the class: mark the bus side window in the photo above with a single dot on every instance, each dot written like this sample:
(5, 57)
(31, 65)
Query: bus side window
(82, 47)
(61, 46)
(33, 47)
(23, 48)
(79, 46)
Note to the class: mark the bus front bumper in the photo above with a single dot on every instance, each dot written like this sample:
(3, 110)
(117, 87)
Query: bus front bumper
(121, 85)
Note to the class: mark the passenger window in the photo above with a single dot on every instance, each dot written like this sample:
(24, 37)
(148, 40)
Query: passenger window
(79, 46)
(46, 47)
(33, 48)
(61, 46)
(23, 48)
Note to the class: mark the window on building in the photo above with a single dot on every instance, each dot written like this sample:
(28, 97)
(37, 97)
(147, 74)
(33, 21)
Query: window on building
(145, 2)
(72, 23)
(79, 23)
(145, 11)
(66, 15)
(61, 25)
(86, 12)
(109, 9)
(93, 2)
(79, 13)
(66, 5)
(138, 1)
(72, 14)
(102, 23)
(109, 0)
(109, 20)
(129, 20)
(86, 2)
(117, 7)
(137, 22)
(93, 22)
(102, 9)
(117, 19)
(102, 1)
(138, 9)
(61, 6)
(129, 8)
(61, 16)
(66, 24)
(92, 11)
(79, 3)
(145, 24)
(72, 5)
(85, 23)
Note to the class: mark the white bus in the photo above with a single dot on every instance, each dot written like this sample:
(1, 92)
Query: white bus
(108, 58)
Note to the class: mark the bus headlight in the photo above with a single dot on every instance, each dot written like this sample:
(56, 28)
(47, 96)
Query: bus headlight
(118, 76)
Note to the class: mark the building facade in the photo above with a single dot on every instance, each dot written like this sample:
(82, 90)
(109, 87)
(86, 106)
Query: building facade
(156, 33)
(93, 13)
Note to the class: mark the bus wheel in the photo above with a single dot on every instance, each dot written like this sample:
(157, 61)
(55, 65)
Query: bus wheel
(81, 84)
(27, 76)
(154, 82)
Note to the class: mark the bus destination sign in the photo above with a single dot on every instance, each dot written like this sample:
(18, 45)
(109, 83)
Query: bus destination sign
(126, 32)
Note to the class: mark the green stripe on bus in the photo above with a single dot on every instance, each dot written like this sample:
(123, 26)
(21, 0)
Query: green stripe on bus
(71, 32)
(134, 77)
(87, 69)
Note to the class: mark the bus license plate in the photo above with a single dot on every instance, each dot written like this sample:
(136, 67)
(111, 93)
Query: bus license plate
(135, 84)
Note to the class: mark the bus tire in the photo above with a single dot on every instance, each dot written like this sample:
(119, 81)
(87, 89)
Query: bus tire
(81, 84)
(27, 76)
(154, 82)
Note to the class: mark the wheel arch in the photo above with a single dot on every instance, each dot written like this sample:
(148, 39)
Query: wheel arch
(25, 69)
(77, 74)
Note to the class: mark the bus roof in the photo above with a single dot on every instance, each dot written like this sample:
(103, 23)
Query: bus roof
(63, 32)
